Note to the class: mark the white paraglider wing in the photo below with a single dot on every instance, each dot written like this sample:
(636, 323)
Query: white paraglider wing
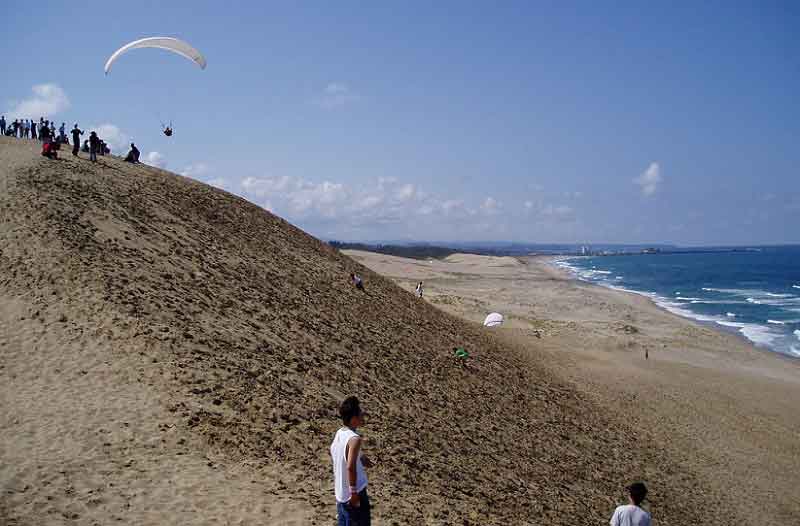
(493, 320)
(170, 44)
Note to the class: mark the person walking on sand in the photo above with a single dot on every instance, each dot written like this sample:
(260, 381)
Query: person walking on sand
(419, 289)
(357, 281)
(2, 125)
(94, 144)
(349, 477)
(632, 514)
(34, 136)
(26, 129)
(76, 140)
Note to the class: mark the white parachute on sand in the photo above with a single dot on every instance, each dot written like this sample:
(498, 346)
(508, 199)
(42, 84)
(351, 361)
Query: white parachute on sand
(168, 43)
(494, 319)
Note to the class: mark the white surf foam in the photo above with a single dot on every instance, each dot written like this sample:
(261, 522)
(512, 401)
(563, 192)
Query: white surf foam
(730, 314)
(776, 322)
(797, 333)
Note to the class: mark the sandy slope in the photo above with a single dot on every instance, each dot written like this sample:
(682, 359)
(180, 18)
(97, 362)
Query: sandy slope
(710, 400)
(172, 354)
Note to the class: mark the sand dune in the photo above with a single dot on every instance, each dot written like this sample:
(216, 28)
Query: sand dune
(711, 401)
(172, 354)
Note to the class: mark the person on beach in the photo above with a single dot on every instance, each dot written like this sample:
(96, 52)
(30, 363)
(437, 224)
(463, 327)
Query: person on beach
(62, 132)
(349, 477)
(419, 289)
(34, 136)
(357, 281)
(133, 155)
(76, 139)
(94, 145)
(3, 125)
(26, 129)
(632, 514)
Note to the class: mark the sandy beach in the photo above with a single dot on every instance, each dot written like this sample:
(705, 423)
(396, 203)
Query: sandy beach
(712, 400)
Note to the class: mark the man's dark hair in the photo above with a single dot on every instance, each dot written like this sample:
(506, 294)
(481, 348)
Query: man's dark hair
(349, 408)
(637, 491)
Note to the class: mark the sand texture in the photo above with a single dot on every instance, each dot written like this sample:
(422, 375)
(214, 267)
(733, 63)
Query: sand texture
(709, 400)
(172, 354)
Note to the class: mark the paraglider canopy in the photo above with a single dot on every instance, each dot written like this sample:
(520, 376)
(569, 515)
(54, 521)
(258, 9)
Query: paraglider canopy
(493, 320)
(168, 43)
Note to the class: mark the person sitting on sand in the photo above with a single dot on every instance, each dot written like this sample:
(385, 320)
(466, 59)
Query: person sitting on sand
(357, 281)
(632, 514)
(85, 147)
(49, 150)
(133, 155)
(349, 477)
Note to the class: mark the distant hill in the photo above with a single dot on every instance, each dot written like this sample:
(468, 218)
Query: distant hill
(173, 354)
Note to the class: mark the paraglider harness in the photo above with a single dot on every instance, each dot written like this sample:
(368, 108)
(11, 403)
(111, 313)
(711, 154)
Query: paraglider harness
(167, 129)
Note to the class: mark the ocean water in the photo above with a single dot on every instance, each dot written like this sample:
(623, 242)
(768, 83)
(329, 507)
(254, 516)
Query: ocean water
(754, 292)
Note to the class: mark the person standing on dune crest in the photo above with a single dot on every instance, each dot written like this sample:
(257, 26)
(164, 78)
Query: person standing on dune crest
(94, 145)
(349, 477)
(76, 139)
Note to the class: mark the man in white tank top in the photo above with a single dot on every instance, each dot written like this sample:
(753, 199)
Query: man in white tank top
(349, 477)
(632, 514)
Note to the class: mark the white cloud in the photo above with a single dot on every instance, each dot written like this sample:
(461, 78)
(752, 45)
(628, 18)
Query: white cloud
(155, 159)
(558, 212)
(650, 179)
(195, 170)
(490, 206)
(336, 95)
(389, 208)
(47, 100)
(116, 139)
(406, 192)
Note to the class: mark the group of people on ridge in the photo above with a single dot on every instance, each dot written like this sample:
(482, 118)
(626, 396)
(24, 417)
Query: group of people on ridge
(52, 138)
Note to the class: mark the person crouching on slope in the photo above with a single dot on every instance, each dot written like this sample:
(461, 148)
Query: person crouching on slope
(632, 514)
(357, 281)
(349, 477)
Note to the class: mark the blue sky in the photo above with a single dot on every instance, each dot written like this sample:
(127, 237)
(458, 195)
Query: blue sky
(641, 122)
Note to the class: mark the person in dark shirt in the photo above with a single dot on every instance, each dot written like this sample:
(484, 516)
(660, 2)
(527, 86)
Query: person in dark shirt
(133, 155)
(44, 133)
(85, 148)
(2, 125)
(33, 130)
(76, 139)
(94, 145)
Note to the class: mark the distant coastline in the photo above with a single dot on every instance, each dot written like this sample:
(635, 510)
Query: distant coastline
(763, 314)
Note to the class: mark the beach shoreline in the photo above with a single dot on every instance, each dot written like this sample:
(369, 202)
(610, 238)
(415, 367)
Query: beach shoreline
(702, 393)
(570, 274)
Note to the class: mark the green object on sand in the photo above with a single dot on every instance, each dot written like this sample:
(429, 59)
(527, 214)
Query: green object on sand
(461, 353)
